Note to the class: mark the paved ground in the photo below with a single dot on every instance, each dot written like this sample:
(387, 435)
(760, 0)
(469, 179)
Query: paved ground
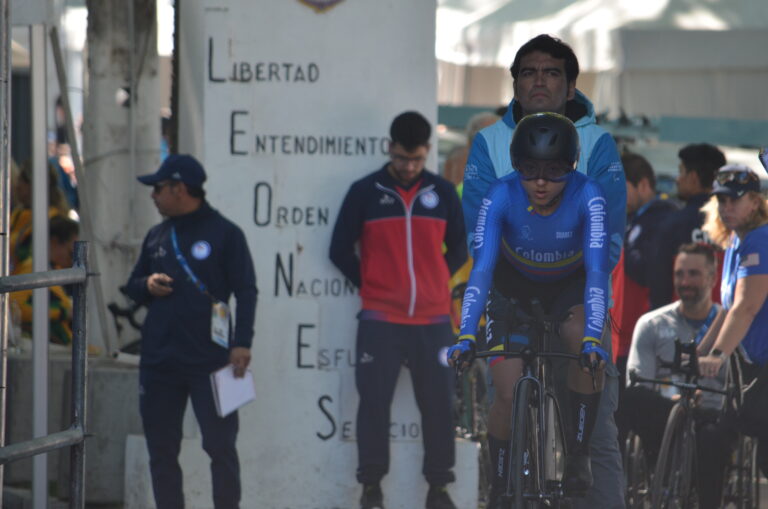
(17, 498)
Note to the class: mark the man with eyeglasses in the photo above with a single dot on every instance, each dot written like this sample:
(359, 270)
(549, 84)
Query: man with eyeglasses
(189, 267)
(544, 74)
(408, 226)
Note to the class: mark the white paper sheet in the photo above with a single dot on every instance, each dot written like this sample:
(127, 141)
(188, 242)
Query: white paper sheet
(231, 393)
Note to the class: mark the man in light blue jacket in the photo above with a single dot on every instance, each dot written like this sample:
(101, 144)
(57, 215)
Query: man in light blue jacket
(544, 76)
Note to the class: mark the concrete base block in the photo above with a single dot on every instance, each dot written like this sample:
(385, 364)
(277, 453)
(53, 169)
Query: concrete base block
(19, 410)
(332, 487)
(112, 413)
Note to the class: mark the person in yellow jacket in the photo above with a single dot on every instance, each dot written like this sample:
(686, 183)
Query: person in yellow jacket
(20, 226)
(63, 233)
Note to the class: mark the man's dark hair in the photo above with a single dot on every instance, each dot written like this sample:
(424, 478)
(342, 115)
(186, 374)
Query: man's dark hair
(63, 229)
(411, 130)
(706, 250)
(704, 159)
(553, 47)
(196, 192)
(637, 168)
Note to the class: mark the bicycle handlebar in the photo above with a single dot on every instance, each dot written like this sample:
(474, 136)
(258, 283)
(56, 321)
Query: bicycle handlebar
(634, 378)
(523, 353)
(514, 355)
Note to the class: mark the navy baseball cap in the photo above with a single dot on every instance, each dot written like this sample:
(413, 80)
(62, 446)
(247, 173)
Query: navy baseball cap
(181, 167)
(735, 180)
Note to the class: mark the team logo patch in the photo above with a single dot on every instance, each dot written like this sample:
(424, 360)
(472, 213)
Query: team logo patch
(429, 200)
(201, 250)
(321, 5)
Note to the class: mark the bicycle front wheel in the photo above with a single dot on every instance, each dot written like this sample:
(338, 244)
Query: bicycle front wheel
(636, 472)
(741, 489)
(524, 457)
(672, 485)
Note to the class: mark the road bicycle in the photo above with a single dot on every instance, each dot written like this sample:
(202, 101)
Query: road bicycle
(741, 489)
(471, 419)
(674, 478)
(636, 472)
(536, 461)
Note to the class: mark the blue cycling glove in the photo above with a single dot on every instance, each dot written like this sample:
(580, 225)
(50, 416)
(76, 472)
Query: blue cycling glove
(466, 349)
(589, 347)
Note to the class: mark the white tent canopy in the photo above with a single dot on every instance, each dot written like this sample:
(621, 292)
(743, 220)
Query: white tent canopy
(674, 57)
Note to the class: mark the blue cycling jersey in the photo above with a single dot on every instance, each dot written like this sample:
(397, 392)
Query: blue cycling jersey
(748, 257)
(542, 248)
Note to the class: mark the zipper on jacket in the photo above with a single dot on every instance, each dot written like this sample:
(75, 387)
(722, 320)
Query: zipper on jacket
(408, 237)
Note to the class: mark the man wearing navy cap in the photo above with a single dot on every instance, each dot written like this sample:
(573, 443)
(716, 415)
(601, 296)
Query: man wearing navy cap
(190, 265)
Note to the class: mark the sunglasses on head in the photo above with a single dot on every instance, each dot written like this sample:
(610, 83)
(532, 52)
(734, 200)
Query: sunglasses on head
(739, 177)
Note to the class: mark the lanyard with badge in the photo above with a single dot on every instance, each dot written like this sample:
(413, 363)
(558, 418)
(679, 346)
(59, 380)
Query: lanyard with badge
(219, 310)
(705, 326)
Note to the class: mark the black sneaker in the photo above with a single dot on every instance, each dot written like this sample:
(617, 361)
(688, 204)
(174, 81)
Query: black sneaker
(495, 501)
(578, 475)
(496, 494)
(371, 497)
(438, 498)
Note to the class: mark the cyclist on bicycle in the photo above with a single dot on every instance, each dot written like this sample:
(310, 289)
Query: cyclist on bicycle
(549, 222)
(645, 408)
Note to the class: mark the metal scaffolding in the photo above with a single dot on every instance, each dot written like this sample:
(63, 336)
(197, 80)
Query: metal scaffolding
(74, 437)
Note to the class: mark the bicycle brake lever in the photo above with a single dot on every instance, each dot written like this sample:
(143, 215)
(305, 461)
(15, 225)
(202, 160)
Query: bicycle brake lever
(593, 372)
(457, 379)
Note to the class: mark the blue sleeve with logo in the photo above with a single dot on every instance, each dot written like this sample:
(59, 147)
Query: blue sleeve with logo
(479, 176)
(753, 254)
(605, 168)
(594, 211)
(486, 241)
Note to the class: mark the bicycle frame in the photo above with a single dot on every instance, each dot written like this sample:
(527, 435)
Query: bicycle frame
(680, 426)
(537, 374)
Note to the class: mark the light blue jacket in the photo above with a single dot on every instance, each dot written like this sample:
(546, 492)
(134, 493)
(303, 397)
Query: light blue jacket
(489, 160)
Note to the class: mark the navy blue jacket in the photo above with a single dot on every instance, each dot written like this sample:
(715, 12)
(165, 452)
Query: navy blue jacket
(177, 328)
(680, 227)
(640, 244)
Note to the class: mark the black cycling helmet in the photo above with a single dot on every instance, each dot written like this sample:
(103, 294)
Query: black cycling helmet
(547, 136)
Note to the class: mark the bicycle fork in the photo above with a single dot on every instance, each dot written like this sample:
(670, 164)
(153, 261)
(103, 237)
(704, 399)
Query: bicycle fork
(532, 459)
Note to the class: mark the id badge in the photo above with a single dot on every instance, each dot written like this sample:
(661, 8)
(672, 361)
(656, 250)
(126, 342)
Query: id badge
(220, 324)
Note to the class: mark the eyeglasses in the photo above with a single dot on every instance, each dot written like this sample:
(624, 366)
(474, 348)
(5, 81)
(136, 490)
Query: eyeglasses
(405, 161)
(550, 173)
(739, 177)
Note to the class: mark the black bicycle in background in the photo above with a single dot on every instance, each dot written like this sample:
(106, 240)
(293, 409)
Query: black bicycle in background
(741, 489)
(538, 445)
(673, 482)
(471, 419)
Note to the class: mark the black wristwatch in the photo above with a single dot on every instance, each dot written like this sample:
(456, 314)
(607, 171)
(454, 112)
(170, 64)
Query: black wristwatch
(716, 352)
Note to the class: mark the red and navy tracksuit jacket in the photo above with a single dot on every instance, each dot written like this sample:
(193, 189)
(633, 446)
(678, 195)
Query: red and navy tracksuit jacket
(402, 270)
